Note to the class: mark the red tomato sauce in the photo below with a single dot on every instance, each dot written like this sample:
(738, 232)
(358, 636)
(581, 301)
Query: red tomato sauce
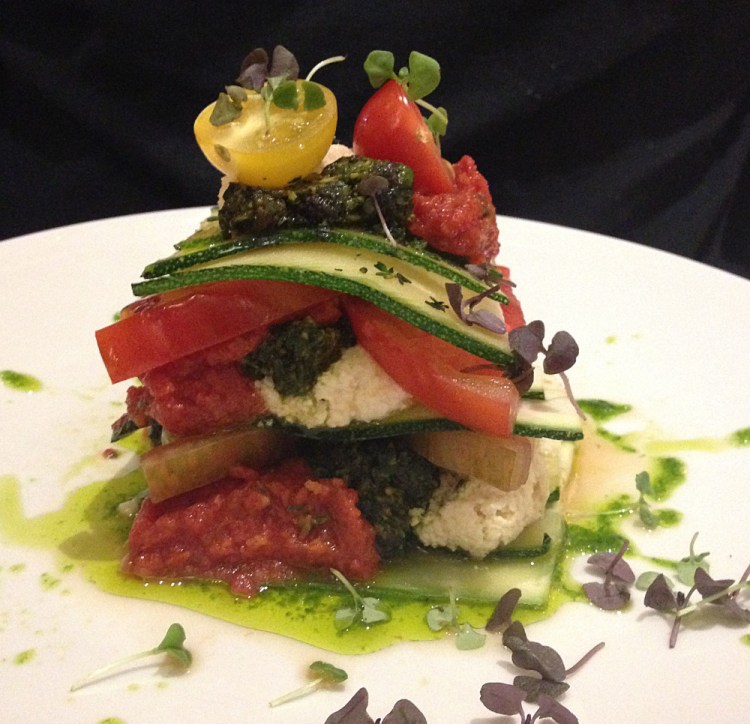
(252, 529)
(460, 221)
(200, 392)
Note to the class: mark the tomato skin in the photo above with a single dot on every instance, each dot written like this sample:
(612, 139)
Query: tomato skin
(391, 127)
(158, 330)
(434, 371)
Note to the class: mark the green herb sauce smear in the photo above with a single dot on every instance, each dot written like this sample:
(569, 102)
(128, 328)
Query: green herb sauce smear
(91, 534)
(20, 381)
(88, 531)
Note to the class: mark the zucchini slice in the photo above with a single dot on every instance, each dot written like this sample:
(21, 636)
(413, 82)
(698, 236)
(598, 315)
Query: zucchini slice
(411, 291)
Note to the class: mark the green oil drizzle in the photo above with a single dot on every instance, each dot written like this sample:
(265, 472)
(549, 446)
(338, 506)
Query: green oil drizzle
(20, 381)
(738, 439)
(89, 532)
(746, 639)
(24, 657)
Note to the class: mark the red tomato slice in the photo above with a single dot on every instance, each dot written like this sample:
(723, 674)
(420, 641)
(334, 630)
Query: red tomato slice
(512, 312)
(434, 372)
(163, 328)
(391, 127)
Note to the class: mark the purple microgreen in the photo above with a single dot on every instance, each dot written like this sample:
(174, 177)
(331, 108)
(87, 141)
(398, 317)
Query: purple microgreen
(503, 698)
(613, 592)
(371, 186)
(528, 340)
(660, 596)
(354, 711)
(536, 687)
(540, 658)
(508, 699)
(173, 644)
(283, 64)
(323, 673)
(502, 616)
(561, 355)
(465, 311)
(551, 709)
(365, 611)
(488, 274)
(404, 712)
(254, 70)
(585, 658)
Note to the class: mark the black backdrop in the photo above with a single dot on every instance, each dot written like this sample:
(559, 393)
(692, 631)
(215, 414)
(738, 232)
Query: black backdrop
(626, 118)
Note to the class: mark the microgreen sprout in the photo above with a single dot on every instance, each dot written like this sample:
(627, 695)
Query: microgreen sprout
(530, 655)
(322, 673)
(418, 79)
(371, 186)
(365, 610)
(446, 618)
(559, 356)
(692, 571)
(355, 712)
(172, 644)
(466, 312)
(646, 515)
(276, 82)
(613, 592)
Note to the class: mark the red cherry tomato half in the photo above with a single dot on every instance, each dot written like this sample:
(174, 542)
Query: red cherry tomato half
(391, 127)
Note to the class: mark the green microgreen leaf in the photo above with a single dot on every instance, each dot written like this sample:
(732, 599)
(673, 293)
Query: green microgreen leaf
(285, 95)
(366, 610)
(420, 78)
(423, 77)
(225, 110)
(313, 96)
(379, 66)
(686, 566)
(446, 618)
(323, 673)
(173, 644)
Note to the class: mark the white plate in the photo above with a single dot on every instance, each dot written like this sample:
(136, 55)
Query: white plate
(667, 335)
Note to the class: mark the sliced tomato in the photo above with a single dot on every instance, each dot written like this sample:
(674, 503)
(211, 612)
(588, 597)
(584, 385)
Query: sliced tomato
(512, 312)
(391, 127)
(161, 329)
(445, 378)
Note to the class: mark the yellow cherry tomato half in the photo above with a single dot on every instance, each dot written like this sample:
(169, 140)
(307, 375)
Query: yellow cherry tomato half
(256, 153)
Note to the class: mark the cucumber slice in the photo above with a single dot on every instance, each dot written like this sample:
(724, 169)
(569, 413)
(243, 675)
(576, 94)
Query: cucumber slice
(411, 292)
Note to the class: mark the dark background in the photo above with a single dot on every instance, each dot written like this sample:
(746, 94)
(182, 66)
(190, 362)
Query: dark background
(626, 118)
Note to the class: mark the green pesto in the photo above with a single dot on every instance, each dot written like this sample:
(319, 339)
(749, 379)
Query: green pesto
(602, 410)
(746, 639)
(20, 381)
(111, 720)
